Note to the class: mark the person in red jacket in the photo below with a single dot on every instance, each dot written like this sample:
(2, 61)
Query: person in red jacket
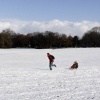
(51, 60)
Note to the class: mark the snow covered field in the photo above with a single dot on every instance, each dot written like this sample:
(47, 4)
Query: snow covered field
(25, 74)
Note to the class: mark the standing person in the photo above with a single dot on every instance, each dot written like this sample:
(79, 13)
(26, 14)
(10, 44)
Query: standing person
(51, 60)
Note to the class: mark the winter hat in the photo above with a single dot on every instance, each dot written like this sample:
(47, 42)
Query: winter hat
(75, 62)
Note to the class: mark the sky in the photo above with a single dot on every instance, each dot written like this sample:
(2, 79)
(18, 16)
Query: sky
(71, 17)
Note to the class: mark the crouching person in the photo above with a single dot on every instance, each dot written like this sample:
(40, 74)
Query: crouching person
(74, 66)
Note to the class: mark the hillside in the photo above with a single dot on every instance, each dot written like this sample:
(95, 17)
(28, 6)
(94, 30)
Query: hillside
(25, 74)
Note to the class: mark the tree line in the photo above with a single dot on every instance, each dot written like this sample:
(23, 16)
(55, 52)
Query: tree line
(47, 39)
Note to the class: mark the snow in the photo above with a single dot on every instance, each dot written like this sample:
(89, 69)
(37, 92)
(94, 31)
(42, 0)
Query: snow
(25, 74)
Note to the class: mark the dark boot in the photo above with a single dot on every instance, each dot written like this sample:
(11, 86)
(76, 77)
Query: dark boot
(50, 68)
(54, 65)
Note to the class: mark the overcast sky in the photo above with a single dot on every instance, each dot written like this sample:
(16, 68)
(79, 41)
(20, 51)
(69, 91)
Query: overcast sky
(72, 17)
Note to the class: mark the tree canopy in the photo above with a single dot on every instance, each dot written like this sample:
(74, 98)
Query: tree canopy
(47, 39)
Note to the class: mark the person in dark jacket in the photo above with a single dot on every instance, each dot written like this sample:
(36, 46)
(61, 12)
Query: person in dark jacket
(51, 60)
(74, 66)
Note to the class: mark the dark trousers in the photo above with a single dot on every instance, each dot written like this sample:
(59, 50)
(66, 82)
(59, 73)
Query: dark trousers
(51, 64)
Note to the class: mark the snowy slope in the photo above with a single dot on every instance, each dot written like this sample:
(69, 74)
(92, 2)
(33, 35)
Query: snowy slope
(25, 74)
